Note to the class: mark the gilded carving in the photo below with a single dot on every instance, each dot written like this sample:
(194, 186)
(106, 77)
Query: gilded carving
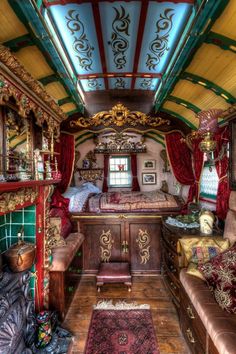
(6, 89)
(106, 243)
(143, 241)
(13, 200)
(119, 115)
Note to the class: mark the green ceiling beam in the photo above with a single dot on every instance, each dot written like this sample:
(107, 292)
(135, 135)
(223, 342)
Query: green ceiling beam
(201, 24)
(183, 103)
(83, 141)
(223, 42)
(82, 135)
(156, 134)
(146, 135)
(210, 86)
(77, 110)
(20, 42)
(172, 113)
(65, 100)
(49, 79)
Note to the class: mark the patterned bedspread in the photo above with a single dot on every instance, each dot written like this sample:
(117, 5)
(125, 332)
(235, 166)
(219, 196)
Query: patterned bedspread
(131, 201)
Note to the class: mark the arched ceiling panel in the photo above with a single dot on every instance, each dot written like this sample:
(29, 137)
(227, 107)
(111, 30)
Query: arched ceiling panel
(56, 90)
(217, 65)
(33, 59)
(199, 96)
(187, 114)
(68, 107)
(225, 25)
(11, 26)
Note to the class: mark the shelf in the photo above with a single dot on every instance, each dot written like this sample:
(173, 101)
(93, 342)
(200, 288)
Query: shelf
(10, 186)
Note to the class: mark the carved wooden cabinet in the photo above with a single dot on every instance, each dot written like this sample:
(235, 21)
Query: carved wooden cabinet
(122, 238)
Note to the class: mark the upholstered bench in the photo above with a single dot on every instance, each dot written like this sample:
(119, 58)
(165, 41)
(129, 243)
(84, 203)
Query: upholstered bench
(114, 272)
(65, 273)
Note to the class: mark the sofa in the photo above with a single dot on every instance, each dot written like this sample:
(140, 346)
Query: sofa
(207, 328)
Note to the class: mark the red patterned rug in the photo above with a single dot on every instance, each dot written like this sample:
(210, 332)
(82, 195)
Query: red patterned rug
(121, 329)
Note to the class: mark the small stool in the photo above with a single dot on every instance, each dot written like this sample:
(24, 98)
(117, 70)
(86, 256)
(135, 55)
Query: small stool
(114, 272)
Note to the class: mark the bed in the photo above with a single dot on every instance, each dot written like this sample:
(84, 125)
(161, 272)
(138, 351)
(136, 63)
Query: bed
(121, 226)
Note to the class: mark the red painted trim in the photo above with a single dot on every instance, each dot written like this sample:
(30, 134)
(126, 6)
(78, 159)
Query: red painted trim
(142, 21)
(39, 266)
(10, 186)
(48, 3)
(97, 19)
(115, 74)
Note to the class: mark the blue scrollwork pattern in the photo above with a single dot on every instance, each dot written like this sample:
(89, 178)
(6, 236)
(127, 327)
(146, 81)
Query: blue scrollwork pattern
(146, 84)
(159, 45)
(120, 83)
(81, 43)
(119, 42)
(93, 84)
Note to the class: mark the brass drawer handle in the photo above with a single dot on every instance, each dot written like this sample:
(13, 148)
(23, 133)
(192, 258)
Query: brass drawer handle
(171, 256)
(173, 269)
(173, 285)
(190, 312)
(190, 336)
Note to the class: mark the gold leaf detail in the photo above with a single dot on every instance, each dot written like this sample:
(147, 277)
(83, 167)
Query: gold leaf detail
(143, 241)
(106, 242)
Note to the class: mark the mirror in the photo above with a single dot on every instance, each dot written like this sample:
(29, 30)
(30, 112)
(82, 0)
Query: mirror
(17, 160)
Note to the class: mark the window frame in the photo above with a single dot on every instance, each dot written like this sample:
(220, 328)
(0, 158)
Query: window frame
(128, 157)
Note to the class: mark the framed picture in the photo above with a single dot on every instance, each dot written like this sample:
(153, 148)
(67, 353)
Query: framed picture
(149, 178)
(149, 164)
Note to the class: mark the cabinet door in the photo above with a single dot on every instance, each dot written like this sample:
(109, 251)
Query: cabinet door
(102, 244)
(144, 246)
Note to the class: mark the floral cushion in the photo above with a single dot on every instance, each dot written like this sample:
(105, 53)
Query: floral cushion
(198, 250)
(66, 225)
(220, 274)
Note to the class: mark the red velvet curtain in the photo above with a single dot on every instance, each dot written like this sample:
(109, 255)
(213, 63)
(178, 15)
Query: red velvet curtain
(135, 184)
(106, 170)
(180, 158)
(222, 200)
(66, 160)
(198, 162)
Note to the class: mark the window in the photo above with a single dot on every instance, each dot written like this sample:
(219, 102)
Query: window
(119, 171)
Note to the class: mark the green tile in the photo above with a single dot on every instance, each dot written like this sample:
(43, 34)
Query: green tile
(17, 217)
(29, 230)
(31, 207)
(12, 240)
(2, 220)
(8, 217)
(29, 217)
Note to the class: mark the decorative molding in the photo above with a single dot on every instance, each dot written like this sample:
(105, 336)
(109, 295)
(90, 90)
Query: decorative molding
(184, 103)
(143, 241)
(11, 201)
(119, 115)
(90, 175)
(24, 102)
(106, 243)
(223, 42)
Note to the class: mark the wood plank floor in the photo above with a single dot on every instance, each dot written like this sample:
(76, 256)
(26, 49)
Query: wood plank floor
(148, 290)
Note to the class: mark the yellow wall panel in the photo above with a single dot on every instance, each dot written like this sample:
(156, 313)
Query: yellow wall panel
(216, 65)
(68, 107)
(11, 26)
(187, 114)
(199, 96)
(34, 62)
(56, 90)
(225, 24)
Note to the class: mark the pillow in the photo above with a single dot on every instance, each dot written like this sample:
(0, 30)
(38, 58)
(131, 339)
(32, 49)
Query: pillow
(71, 191)
(66, 225)
(198, 250)
(220, 274)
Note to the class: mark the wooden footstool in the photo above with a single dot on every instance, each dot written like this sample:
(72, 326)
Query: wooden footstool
(114, 272)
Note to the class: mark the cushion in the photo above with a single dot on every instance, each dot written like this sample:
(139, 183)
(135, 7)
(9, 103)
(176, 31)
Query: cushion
(198, 250)
(55, 237)
(220, 274)
(66, 225)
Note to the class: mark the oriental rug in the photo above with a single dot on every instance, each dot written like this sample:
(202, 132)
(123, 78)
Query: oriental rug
(121, 329)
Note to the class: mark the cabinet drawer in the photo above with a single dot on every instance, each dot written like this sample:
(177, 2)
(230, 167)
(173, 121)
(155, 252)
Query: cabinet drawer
(171, 265)
(170, 238)
(171, 254)
(190, 335)
(172, 284)
(190, 315)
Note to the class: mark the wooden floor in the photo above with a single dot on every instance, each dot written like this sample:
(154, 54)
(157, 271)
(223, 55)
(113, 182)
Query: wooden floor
(148, 290)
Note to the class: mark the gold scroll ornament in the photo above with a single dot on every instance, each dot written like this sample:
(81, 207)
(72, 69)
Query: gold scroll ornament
(143, 241)
(106, 242)
(119, 115)
(12, 200)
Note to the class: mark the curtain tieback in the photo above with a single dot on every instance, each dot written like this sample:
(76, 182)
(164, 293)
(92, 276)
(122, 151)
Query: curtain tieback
(223, 177)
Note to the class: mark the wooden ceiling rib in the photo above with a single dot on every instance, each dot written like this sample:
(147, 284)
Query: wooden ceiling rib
(182, 111)
(225, 24)
(56, 90)
(11, 26)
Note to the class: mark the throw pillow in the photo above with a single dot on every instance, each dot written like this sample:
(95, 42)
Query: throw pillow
(198, 250)
(220, 274)
(55, 238)
(66, 225)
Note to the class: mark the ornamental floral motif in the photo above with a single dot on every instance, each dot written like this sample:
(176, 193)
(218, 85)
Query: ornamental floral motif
(81, 43)
(15, 200)
(160, 44)
(118, 42)
(106, 243)
(120, 83)
(146, 84)
(143, 241)
(94, 84)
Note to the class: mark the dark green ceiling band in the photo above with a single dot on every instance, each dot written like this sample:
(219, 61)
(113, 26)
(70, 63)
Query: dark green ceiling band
(203, 21)
(156, 134)
(146, 135)
(20, 42)
(65, 100)
(223, 42)
(210, 86)
(83, 141)
(184, 103)
(49, 79)
(82, 135)
(172, 113)
(77, 110)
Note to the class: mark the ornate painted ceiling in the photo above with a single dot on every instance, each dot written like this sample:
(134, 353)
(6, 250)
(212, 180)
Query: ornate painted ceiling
(173, 58)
